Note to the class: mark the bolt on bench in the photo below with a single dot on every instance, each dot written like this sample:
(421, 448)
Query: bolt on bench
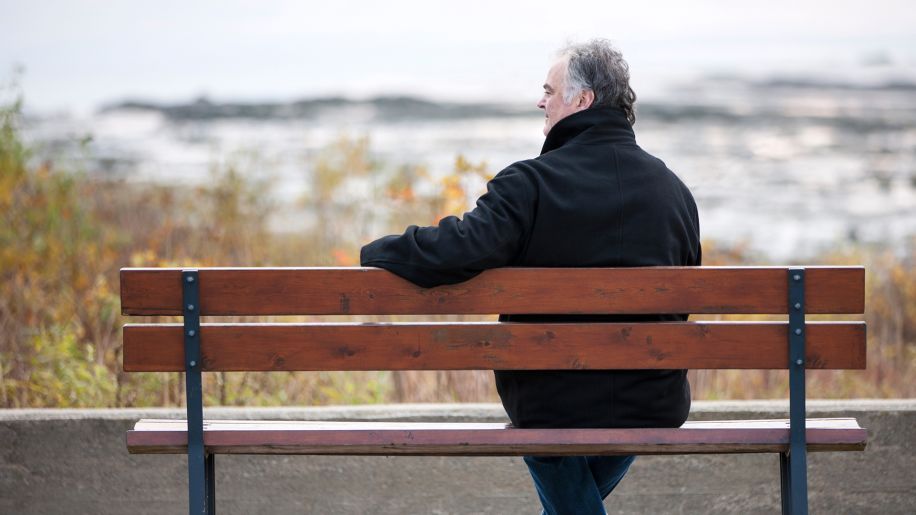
(193, 347)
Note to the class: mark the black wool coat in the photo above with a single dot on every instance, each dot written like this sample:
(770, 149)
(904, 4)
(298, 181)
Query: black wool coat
(593, 198)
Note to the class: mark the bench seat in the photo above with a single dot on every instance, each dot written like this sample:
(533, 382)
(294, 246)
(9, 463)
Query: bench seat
(158, 436)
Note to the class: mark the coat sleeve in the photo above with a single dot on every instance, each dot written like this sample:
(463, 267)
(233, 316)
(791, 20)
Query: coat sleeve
(489, 236)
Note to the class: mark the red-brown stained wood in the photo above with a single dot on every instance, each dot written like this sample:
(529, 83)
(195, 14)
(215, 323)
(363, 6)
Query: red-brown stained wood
(371, 291)
(494, 345)
(474, 440)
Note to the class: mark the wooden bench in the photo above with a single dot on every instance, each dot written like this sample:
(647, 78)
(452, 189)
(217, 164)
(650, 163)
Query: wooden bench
(193, 347)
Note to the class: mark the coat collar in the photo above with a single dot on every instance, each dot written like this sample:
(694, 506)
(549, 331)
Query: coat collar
(601, 124)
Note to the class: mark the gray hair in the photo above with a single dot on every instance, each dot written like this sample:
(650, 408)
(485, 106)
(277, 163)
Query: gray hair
(597, 66)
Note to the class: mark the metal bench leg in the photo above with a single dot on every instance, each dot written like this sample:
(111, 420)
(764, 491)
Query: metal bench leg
(211, 485)
(797, 458)
(785, 482)
(197, 484)
(198, 463)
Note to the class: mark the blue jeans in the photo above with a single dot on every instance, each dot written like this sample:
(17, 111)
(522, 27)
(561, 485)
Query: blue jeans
(576, 485)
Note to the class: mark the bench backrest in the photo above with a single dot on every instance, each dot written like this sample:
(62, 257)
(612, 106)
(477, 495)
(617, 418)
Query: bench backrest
(493, 345)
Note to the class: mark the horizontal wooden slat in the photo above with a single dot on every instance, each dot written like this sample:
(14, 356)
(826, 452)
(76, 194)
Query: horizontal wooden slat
(368, 438)
(371, 291)
(493, 345)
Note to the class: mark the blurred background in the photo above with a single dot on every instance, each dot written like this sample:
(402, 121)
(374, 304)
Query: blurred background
(292, 133)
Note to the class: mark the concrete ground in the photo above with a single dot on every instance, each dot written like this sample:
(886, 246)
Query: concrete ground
(75, 461)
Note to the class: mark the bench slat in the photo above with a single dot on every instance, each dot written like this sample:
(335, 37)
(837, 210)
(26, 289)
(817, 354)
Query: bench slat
(372, 291)
(476, 439)
(493, 345)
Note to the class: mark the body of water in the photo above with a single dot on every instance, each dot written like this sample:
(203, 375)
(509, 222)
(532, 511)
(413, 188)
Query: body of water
(789, 169)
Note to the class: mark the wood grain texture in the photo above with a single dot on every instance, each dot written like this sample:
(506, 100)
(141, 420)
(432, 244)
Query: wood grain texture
(372, 291)
(494, 345)
(366, 438)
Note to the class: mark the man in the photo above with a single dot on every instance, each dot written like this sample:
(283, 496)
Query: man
(593, 198)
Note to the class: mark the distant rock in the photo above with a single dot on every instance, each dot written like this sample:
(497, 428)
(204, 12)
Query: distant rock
(890, 85)
(381, 108)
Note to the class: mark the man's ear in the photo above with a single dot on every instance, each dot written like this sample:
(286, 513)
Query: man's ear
(586, 98)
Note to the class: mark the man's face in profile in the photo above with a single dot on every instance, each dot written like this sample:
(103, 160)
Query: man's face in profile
(555, 108)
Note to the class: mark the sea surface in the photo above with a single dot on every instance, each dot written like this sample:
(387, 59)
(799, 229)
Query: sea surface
(787, 169)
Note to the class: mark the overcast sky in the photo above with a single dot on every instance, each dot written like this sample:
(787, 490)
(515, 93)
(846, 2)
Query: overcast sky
(77, 55)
